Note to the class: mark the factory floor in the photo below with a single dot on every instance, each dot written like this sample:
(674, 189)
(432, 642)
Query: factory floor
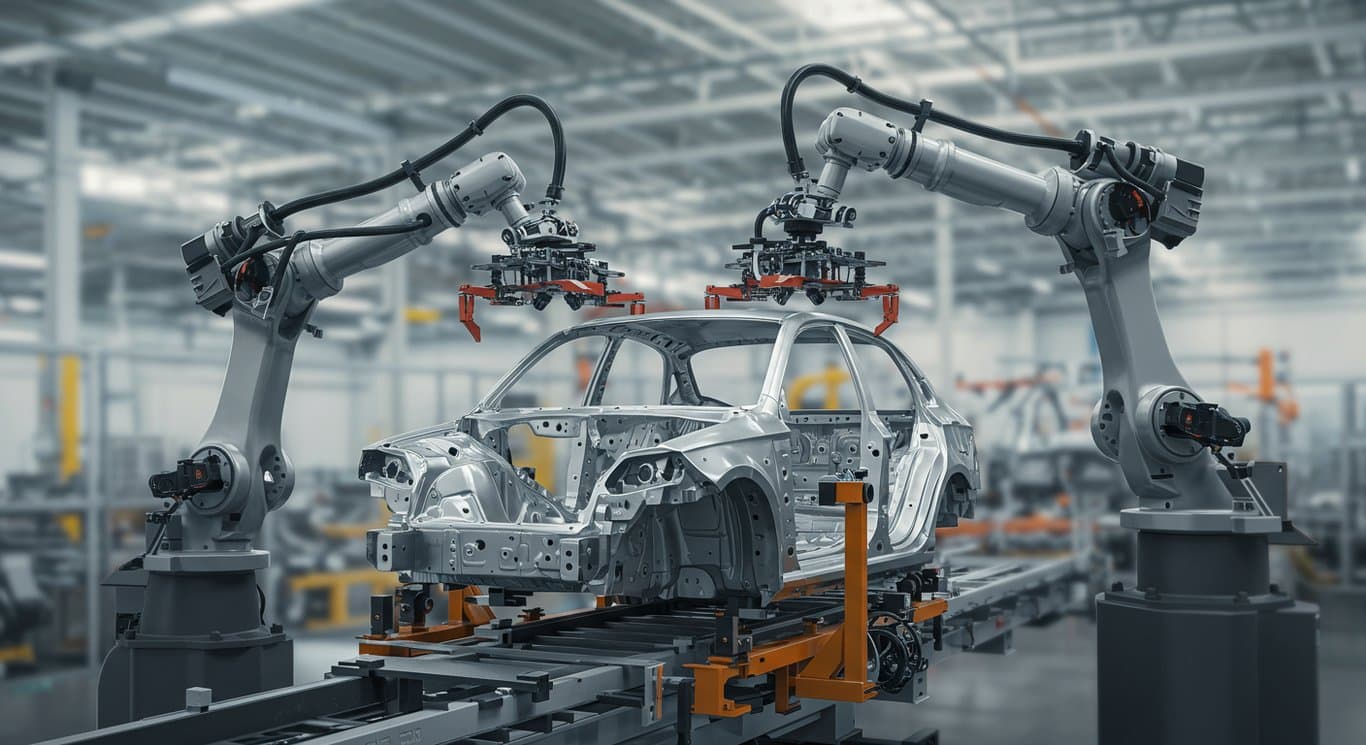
(1044, 693)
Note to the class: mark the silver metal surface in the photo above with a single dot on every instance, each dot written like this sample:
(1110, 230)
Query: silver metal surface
(728, 502)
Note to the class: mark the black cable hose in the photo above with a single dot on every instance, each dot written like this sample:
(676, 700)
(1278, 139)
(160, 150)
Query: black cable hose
(851, 82)
(248, 243)
(356, 231)
(764, 214)
(909, 648)
(1130, 178)
(555, 190)
(161, 530)
(895, 667)
(281, 268)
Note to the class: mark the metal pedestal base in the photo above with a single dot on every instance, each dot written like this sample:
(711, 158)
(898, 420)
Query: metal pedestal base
(1205, 650)
(198, 628)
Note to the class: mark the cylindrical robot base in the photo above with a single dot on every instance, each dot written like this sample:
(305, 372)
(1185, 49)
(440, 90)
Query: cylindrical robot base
(1204, 650)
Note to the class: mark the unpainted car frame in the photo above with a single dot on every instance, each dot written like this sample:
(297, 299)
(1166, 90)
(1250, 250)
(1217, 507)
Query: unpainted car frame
(690, 497)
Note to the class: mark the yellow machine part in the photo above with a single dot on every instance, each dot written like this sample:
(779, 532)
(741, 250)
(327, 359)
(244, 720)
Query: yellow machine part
(420, 315)
(832, 377)
(338, 585)
(19, 653)
(71, 524)
(531, 451)
(69, 416)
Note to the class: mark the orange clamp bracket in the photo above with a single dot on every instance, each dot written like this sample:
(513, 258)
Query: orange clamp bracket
(729, 292)
(775, 657)
(467, 295)
(809, 665)
(463, 616)
(891, 304)
(634, 301)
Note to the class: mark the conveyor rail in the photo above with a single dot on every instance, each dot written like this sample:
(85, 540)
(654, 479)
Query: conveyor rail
(612, 674)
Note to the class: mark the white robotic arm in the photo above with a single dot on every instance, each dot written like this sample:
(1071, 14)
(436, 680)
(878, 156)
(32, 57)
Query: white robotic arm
(1203, 628)
(1104, 214)
(240, 471)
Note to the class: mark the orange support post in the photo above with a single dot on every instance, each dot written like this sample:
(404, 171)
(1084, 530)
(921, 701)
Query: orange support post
(1266, 375)
(816, 680)
(851, 494)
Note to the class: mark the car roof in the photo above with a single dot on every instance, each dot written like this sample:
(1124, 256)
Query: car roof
(702, 329)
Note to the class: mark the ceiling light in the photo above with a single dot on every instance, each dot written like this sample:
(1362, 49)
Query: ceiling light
(17, 335)
(22, 260)
(208, 14)
(838, 15)
(25, 304)
(988, 266)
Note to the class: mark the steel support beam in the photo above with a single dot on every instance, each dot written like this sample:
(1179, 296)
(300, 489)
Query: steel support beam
(943, 286)
(62, 248)
(62, 212)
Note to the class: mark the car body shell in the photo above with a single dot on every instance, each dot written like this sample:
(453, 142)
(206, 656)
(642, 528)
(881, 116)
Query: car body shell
(688, 498)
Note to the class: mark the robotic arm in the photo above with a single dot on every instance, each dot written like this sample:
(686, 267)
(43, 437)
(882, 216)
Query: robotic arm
(240, 471)
(1104, 213)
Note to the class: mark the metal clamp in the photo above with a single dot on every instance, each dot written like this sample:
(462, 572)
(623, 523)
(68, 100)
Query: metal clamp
(926, 106)
(412, 174)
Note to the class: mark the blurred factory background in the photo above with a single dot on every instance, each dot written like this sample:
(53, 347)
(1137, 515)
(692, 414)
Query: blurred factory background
(128, 128)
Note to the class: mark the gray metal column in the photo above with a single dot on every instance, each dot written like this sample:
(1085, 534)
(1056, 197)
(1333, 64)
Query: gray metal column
(97, 392)
(62, 327)
(62, 214)
(943, 289)
(62, 247)
(1351, 446)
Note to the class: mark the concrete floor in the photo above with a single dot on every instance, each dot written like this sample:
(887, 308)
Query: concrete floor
(1044, 693)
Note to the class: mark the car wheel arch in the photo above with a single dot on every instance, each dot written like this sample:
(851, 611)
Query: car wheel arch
(770, 538)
